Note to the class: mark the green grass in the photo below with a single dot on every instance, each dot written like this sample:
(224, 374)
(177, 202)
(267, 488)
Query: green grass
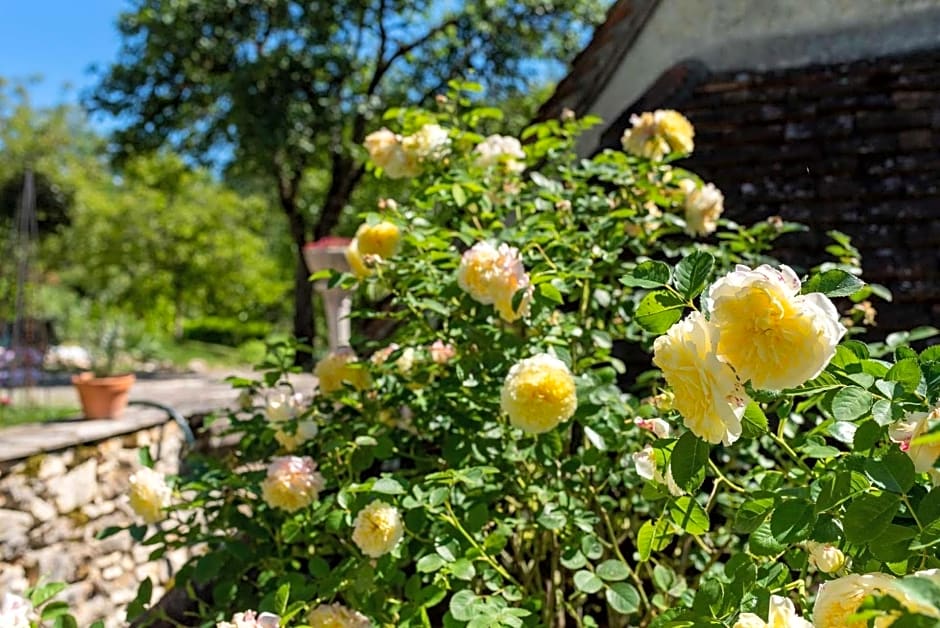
(35, 413)
(183, 352)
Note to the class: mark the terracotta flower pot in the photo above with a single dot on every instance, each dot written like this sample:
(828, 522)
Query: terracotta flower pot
(103, 397)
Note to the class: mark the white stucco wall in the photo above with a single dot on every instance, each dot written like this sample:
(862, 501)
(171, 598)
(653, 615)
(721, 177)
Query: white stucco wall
(764, 34)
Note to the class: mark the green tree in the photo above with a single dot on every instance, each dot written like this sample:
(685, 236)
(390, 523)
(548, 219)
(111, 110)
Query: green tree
(292, 88)
(166, 242)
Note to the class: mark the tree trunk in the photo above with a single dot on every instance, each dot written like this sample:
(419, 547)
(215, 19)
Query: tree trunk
(345, 175)
(304, 329)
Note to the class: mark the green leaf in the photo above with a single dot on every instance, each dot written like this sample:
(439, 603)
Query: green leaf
(907, 373)
(46, 592)
(460, 197)
(587, 581)
(551, 293)
(623, 598)
(762, 541)
(754, 421)
(281, 598)
(613, 570)
(692, 273)
(462, 605)
(894, 472)
(833, 283)
(752, 513)
(868, 516)
(145, 458)
(689, 515)
(387, 486)
(430, 563)
(552, 520)
(463, 569)
(648, 274)
(658, 311)
(792, 521)
(851, 403)
(689, 457)
(652, 537)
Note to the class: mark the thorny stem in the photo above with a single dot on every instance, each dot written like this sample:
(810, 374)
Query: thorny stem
(723, 478)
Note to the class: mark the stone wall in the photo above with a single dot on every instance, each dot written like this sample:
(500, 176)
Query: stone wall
(52, 506)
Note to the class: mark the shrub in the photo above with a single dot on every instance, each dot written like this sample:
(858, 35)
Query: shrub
(230, 332)
(484, 468)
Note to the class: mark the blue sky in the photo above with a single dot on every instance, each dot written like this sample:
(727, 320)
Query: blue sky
(59, 40)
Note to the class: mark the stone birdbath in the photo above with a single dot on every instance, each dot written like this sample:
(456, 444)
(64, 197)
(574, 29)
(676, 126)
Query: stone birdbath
(330, 253)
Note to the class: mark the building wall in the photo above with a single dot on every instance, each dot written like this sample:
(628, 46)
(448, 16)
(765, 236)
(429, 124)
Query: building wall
(762, 35)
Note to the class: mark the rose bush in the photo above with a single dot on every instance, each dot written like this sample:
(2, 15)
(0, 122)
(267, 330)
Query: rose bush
(510, 457)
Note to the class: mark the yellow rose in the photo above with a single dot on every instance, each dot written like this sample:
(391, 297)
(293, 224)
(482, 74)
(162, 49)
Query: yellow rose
(770, 333)
(676, 130)
(378, 529)
(292, 483)
(380, 241)
(782, 615)
(538, 394)
(703, 206)
(493, 276)
(386, 151)
(840, 598)
(500, 149)
(825, 557)
(149, 495)
(339, 367)
(337, 616)
(431, 141)
(910, 427)
(707, 393)
(291, 441)
(643, 139)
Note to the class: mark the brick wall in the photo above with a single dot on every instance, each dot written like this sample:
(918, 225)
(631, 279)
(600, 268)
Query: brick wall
(852, 146)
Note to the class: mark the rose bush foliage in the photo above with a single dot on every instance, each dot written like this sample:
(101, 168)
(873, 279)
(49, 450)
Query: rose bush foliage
(499, 459)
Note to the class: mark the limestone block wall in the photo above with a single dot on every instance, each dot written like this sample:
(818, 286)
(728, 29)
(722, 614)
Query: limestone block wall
(52, 506)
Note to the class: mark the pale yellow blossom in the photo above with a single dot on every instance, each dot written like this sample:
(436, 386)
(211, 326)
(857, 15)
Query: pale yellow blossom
(770, 333)
(708, 395)
(341, 367)
(292, 483)
(782, 614)
(703, 206)
(911, 427)
(655, 135)
(387, 152)
(378, 529)
(493, 276)
(337, 616)
(538, 394)
(149, 495)
(500, 149)
(839, 599)
(431, 141)
(372, 243)
(825, 557)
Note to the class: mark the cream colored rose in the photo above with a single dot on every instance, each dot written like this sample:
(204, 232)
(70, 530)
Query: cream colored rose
(149, 495)
(291, 441)
(500, 149)
(657, 426)
(658, 134)
(431, 141)
(825, 557)
(840, 598)
(337, 616)
(378, 529)
(708, 395)
(782, 614)
(910, 427)
(492, 276)
(341, 367)
(292, 483)
(770, 333)
(386, 151)
(703, 206)
(281, 406)
(644, 461)
(539, 393)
